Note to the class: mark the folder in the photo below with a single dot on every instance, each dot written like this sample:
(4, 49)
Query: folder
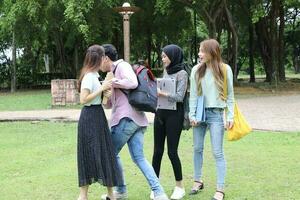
(166, 85)
(200, 110)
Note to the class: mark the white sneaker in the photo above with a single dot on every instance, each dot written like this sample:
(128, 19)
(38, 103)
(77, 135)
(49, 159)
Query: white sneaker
(116, 194)
(152, 195)
(161, 197)
(178, 193)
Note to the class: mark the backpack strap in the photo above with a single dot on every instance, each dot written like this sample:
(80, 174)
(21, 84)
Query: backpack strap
(126, 92)
(116, 67)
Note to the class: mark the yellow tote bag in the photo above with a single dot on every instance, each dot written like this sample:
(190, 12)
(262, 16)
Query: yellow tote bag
(240, 125)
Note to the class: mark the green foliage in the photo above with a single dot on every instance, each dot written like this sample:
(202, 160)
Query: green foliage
(258, 11)
(64, 29)
(4, 74)
(75, 11)
(154, 27)
(162, 6)
(202, 31)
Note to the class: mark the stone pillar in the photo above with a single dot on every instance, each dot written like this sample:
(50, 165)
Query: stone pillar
(126, 30)
(64, 92)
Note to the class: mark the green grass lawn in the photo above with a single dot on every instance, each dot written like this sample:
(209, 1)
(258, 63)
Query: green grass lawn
(38, 162)
(27, 100)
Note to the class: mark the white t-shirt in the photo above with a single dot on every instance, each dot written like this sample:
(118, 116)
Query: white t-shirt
(90, 81)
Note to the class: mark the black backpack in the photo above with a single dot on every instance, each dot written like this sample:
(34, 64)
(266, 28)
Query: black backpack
(186, 108)
(144, 96)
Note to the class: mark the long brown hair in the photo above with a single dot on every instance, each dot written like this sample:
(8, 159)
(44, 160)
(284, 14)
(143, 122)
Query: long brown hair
(212, 47)
(92, 61)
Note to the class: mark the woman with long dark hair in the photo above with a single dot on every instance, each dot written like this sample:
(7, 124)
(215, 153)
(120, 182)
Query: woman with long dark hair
(95, 153)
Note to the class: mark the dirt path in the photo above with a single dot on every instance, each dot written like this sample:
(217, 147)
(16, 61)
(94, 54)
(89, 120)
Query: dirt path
(274, 113)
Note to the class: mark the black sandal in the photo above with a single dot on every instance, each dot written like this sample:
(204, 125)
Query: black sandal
(221, 193)
(200, 187)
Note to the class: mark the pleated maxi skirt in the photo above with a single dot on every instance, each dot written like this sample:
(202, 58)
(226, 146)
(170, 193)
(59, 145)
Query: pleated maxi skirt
(96, 157)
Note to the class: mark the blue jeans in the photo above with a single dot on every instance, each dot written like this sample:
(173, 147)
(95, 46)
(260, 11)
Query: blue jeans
(214, 121)
(127, 131)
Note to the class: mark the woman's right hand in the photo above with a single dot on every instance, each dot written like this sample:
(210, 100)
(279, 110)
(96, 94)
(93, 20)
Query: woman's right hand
(106, 85)
(193, 123)
(107, 93)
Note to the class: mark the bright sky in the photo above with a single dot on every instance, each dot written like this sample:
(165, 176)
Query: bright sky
(7, 52)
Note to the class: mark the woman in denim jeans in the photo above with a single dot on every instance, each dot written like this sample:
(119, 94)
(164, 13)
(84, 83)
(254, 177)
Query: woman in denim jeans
(207, 79)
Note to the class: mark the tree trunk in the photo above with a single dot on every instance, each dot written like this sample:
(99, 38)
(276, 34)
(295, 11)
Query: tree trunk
(76, 62)
(53, 67)
(212, 30)
(229, 46)
(149, 49)
(36, 65)
(296, 55)
(274, 45)
(13, 65)
(251, 44)
(210, 19)
(263, 41)
(46, 63)
(234, 41)
(251, 52)
(61, 54)
(196, 46)
(235, 55)
(281, 43)
(268, 42)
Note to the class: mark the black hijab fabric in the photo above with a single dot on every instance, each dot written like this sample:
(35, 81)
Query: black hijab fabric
(175, 54)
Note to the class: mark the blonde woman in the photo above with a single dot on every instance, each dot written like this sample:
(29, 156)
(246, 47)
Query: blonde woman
(207, 79)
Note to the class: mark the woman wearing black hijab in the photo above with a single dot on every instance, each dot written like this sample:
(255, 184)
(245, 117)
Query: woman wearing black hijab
(168, 123)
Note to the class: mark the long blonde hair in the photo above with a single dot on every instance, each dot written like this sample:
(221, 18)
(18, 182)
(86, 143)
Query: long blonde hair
(212, 47)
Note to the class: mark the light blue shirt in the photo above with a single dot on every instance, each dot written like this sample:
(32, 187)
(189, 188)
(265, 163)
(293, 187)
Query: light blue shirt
(90, 81)
(211, 94)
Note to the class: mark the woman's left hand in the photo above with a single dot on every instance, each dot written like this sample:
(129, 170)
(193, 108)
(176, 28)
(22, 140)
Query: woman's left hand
(158, 92)
(229, 125)
(161, 93)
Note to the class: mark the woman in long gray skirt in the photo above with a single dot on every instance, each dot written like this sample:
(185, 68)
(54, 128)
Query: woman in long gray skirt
(95, 155)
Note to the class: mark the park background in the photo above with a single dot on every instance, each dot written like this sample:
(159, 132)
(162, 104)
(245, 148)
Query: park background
(45, 40)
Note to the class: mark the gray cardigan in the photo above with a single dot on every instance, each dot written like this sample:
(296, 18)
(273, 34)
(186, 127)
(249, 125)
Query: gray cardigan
(181, 78)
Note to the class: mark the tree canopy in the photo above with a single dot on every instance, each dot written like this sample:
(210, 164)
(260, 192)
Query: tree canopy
(257, 36)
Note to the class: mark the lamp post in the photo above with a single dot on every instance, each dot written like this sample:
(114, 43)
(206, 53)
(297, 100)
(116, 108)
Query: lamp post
(126, 11)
